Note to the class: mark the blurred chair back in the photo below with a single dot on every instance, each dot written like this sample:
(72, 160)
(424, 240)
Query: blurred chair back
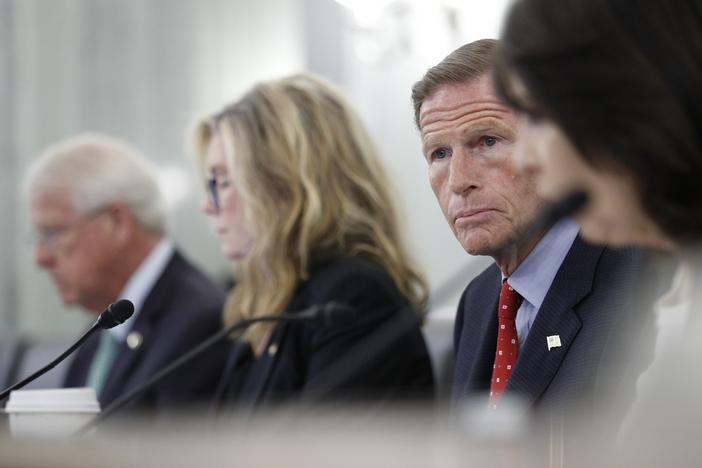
(438, 334)
(11, 350)
(36, 354)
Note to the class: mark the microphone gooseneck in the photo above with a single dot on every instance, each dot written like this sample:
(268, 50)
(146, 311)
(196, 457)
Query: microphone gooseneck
(568, 205)
(113, 315)
(331, 314)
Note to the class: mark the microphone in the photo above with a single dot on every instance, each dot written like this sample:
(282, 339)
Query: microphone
(330, 314)
(554, 212)
(115, 314)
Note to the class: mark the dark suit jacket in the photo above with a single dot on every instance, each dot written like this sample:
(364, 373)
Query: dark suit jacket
(380, 356)
(587, 305)
(183, 308)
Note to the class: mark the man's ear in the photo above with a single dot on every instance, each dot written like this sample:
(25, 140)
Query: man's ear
(122, 222)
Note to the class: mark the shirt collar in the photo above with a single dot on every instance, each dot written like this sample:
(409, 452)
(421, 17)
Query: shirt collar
(533, 277)
(141, 282)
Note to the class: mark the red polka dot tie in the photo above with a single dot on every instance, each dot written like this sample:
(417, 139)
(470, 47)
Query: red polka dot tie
(507, 342)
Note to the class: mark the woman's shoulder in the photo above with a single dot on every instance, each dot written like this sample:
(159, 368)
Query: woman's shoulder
(349, 279)
(346, 266)
(347, 271)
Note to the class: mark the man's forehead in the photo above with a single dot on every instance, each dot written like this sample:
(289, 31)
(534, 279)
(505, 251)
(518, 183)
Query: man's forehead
(465, 113)
(453, 101)
(51, 204)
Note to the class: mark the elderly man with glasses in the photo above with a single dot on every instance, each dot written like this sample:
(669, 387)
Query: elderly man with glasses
(99, 221)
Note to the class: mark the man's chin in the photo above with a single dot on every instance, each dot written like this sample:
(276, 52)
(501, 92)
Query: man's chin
(69, 300)
(481, 252)
(483, 245)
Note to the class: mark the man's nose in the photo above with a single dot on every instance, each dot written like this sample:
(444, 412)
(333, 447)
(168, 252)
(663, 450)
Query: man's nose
(43, 256)
(464, 172)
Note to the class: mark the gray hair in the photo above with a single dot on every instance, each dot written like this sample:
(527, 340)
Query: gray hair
(95, 170)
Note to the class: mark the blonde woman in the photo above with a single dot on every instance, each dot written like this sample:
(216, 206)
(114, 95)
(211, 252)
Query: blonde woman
(300, 202)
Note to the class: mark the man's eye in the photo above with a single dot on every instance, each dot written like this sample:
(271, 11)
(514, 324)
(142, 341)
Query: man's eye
(440, 153)
(490, 141)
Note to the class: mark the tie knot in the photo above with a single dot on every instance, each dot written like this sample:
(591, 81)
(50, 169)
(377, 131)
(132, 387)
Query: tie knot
(510, 300)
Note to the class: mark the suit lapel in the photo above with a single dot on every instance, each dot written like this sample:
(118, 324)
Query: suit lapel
(255, 389)
(537, 365)
(480, 326)
(155, 305)
(125, 362)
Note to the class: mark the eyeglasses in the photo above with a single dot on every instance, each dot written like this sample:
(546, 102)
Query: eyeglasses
(50, 237)
(215, 184)
(212, 188)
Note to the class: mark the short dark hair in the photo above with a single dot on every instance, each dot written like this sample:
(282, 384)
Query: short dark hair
(622, 80)
(465, 63)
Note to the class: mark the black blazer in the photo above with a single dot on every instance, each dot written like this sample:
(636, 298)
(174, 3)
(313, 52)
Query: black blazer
(183, 308)
(380, 356)
(589, 302)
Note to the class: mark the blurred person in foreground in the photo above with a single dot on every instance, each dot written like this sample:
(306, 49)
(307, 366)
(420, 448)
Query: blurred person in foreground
(532, 325)
(302, 205)
(100, 224)
(609, 95)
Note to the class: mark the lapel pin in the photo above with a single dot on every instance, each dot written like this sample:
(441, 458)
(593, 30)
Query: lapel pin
(134, 340)
(553, 341)
(272, 349)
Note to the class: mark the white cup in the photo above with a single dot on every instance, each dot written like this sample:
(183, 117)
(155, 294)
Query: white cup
(51, 412)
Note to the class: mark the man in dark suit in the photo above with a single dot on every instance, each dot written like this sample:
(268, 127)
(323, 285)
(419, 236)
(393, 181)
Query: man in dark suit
(534, 324)
(99, 219)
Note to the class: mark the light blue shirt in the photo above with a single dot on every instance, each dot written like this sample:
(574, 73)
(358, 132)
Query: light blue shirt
(140, 284)
(533, 277)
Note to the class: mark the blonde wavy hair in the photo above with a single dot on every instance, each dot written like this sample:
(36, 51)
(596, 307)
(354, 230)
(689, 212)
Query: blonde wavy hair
(311, 184)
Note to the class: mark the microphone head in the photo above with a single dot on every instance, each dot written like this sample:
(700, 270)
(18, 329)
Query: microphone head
(328, 314)
(116, 314)
(336, 315)
(554, 212)
(568, 205)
